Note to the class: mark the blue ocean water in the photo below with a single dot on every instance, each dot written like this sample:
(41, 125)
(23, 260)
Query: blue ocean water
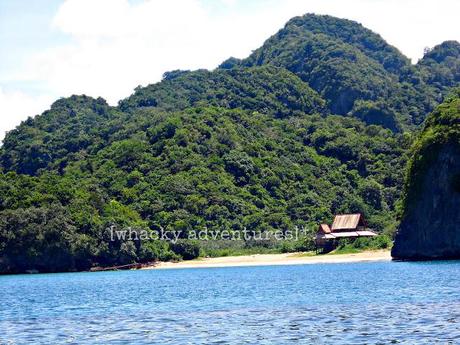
(353, 303)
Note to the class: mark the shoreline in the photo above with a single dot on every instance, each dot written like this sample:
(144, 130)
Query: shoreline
(274, 260)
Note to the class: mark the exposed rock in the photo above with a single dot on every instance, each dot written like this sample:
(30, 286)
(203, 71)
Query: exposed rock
(430, 228)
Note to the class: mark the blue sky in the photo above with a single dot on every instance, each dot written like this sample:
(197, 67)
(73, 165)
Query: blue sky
(24, 29)
(56, 48)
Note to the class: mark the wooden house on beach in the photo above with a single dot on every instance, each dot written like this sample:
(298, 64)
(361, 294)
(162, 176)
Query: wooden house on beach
(349, 226)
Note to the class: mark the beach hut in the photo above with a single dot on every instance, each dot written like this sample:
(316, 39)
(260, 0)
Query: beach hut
(349, 226)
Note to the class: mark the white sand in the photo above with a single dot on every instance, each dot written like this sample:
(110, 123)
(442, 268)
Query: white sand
(275, 259)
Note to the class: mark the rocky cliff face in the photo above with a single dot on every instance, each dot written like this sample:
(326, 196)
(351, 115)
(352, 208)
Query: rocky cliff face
(430, 228)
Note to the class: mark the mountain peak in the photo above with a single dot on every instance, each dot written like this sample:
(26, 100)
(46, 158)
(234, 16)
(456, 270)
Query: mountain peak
(442, 51)
(353, 33)
(344, 62)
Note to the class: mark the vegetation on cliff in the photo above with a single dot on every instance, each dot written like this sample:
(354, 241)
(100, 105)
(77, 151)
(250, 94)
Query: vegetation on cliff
(442, 128)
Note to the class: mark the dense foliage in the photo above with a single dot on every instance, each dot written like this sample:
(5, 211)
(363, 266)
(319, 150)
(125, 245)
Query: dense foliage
(347, 63)
(266, 89)
(440, 67)
(252, 145)
(207, 167)
(442, 129)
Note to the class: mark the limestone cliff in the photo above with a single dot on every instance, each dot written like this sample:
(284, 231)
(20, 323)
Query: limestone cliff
(430, 226)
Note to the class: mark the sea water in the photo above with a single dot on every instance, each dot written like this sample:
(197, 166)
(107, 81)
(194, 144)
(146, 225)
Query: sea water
(352, 303)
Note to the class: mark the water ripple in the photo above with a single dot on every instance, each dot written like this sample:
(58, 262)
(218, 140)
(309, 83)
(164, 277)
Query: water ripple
(366, 303)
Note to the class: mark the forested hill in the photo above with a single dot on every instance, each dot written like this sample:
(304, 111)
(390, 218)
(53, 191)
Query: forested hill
(440, 67)
(358, 73)
(315, 122)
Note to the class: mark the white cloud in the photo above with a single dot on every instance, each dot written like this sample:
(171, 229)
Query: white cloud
(115, 45)
(17, 106)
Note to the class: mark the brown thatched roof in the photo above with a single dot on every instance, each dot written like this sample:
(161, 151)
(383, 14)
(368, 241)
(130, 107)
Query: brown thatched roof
(346, 234)
(366, 233)
(346, 221)
(324, 236)
(325, 228)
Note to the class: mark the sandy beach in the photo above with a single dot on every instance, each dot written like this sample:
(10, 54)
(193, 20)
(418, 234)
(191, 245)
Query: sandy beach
(275, 259)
